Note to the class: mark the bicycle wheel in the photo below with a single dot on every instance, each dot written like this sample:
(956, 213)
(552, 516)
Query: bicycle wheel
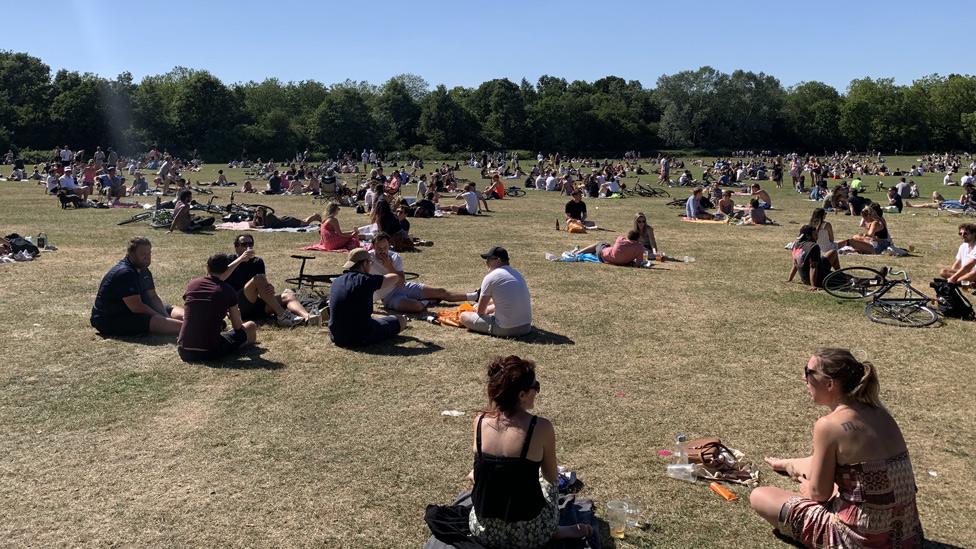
(661, 193)
(138, 217)
(910, 314)
(854, 283)
(515, 191)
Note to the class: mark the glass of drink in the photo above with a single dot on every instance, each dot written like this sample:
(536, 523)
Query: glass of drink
(617, 518)
(633, 515)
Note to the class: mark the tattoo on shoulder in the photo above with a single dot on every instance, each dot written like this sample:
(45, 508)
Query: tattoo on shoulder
(850, 426)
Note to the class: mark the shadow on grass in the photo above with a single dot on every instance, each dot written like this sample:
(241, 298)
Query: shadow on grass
(539, 336)
(248, 359)
(931, 544)
(152, 340)
(401, 345)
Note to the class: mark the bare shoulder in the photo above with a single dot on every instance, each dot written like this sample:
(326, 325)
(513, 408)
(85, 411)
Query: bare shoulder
(545, 426)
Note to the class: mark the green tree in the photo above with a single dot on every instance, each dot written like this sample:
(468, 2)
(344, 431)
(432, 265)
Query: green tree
(206, 114)
(26, 85)
(397, 115)
(812, 115)
(342, 121)
(445, 124)
(76, 112)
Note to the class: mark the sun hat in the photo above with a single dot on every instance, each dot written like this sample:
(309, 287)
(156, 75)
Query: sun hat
(355, 256)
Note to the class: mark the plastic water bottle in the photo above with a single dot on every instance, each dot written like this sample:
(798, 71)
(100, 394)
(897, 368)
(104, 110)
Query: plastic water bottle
(680, 449)
(432, 318)
(682, 471)
(688, 259)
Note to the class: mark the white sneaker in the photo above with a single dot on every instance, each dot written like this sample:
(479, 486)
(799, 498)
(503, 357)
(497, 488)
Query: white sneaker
(314, 320)
(289, 320)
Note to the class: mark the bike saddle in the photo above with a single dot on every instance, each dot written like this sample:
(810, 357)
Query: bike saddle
(303, 257)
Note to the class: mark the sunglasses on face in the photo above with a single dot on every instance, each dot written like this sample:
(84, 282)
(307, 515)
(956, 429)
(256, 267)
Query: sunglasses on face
(809, 372)
(535, 386)
(247, 244)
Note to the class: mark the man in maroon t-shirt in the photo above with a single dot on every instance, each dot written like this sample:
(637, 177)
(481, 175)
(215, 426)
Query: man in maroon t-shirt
(208, 301)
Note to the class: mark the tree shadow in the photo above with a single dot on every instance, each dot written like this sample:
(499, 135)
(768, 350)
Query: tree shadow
(248, 359)
(400, 345)
(539, 336)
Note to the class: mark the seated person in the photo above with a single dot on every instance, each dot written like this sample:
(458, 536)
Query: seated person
(183, 220)
(496, 189)
(576, 210)
(68, 184)
(726, 205)
(386, 221)
(274, 184)
(127, 304)
(610, 187)
(111, 184)
(808, 260)
(331, 236)
(875, 239)
(625, 251)
(764, 201)
(139, 185)
(221, 179)
(208, 301)
(256, 296)
(351, 323)
(964, 267)
(248, 187)
(515, 492)
(857, 202)
(645, 233)
(693, 207)
(757, 215)
(894, 199)
(504, 304)
(471, 202)
(405, 297)
(859, 453)
(266, 220)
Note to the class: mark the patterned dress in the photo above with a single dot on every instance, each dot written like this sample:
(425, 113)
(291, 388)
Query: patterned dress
(497, 533)
(874, 507)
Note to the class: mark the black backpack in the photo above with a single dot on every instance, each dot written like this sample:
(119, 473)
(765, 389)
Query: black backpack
(19, 244)
(952, 304)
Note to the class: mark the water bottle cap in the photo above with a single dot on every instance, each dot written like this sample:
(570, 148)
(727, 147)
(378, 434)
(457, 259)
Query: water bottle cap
(681, 437)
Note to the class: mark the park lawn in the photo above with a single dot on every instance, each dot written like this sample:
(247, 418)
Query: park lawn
(118, 442)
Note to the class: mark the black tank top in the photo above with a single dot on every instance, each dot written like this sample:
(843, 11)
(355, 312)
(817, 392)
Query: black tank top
(883, 233)
(507, 488)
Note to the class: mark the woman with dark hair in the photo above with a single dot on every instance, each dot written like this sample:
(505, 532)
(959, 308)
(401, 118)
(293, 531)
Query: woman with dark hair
(859, 451)
(808, 259)
(515, 479)
(386, 221)
(825, 236)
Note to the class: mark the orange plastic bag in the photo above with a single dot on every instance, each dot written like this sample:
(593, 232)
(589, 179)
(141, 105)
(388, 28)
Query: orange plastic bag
(452, 317)
(573, 226)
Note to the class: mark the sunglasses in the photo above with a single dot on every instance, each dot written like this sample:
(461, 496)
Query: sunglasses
(810, 373)
(535, 386)
(247, 244)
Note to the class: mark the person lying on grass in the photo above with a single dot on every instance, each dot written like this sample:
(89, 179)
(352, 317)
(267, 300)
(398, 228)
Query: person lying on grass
(964, 267)
(127, 303)
(256, 297)
(875, 238)
(626, 251)
(808, 259)
(263, 219)
(405, 297)
(209, 300)
(515, 491)
(857, 488)
(938, 202)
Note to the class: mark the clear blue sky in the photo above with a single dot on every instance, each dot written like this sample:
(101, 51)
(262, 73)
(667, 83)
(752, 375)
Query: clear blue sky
(466, 43)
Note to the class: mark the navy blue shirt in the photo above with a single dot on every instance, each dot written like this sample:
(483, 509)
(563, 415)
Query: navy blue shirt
(274, 184)
(351, 306)
(122, 280)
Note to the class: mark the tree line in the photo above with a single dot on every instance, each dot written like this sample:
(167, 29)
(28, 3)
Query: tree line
(187, 109)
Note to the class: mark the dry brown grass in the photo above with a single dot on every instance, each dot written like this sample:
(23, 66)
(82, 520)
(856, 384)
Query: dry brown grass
(118, 442)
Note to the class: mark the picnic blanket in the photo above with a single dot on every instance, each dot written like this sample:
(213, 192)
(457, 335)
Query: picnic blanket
(712, 221)
(246, 226)
(452, 532)
(569, 257)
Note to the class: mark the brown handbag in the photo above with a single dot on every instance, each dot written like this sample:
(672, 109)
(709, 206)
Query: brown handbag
(707, 451)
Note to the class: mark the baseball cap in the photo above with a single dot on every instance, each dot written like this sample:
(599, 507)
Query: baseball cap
(496, 251)
(355, 256)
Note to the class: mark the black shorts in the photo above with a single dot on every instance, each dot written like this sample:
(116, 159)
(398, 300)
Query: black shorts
(124, 325)
(463, 211)
(229, 342)
(249, 310)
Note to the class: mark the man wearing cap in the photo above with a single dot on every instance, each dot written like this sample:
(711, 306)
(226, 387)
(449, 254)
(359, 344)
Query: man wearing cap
(111, 184)
(504, 305)
(351, 323)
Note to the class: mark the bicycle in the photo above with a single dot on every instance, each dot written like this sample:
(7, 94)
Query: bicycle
(158, 219)
(315, 284)
(910, 309)
(515, 191)
(650, 192)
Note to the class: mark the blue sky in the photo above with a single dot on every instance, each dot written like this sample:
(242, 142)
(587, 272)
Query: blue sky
(466, 43)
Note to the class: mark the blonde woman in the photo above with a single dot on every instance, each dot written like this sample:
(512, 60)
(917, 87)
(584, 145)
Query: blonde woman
(646, 232)
(331, 237)
(857, 489)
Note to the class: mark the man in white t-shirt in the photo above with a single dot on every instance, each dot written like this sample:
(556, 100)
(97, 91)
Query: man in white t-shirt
(504, 305)
(66, 156)
(471, 201)
(52, 181)
(966, 179)
(947, 180)
(68, 183)
(964, 268)
(405, 297)
(551, 182)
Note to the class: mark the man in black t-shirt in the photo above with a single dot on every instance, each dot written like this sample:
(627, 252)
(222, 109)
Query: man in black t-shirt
(576, 209)
(208, 301)
(274, 184)
(256, 296)
(351, 323)
(857, 202)
(127, 304)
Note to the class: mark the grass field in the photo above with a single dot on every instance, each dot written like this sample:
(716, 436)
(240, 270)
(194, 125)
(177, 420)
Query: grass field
(109, 442)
